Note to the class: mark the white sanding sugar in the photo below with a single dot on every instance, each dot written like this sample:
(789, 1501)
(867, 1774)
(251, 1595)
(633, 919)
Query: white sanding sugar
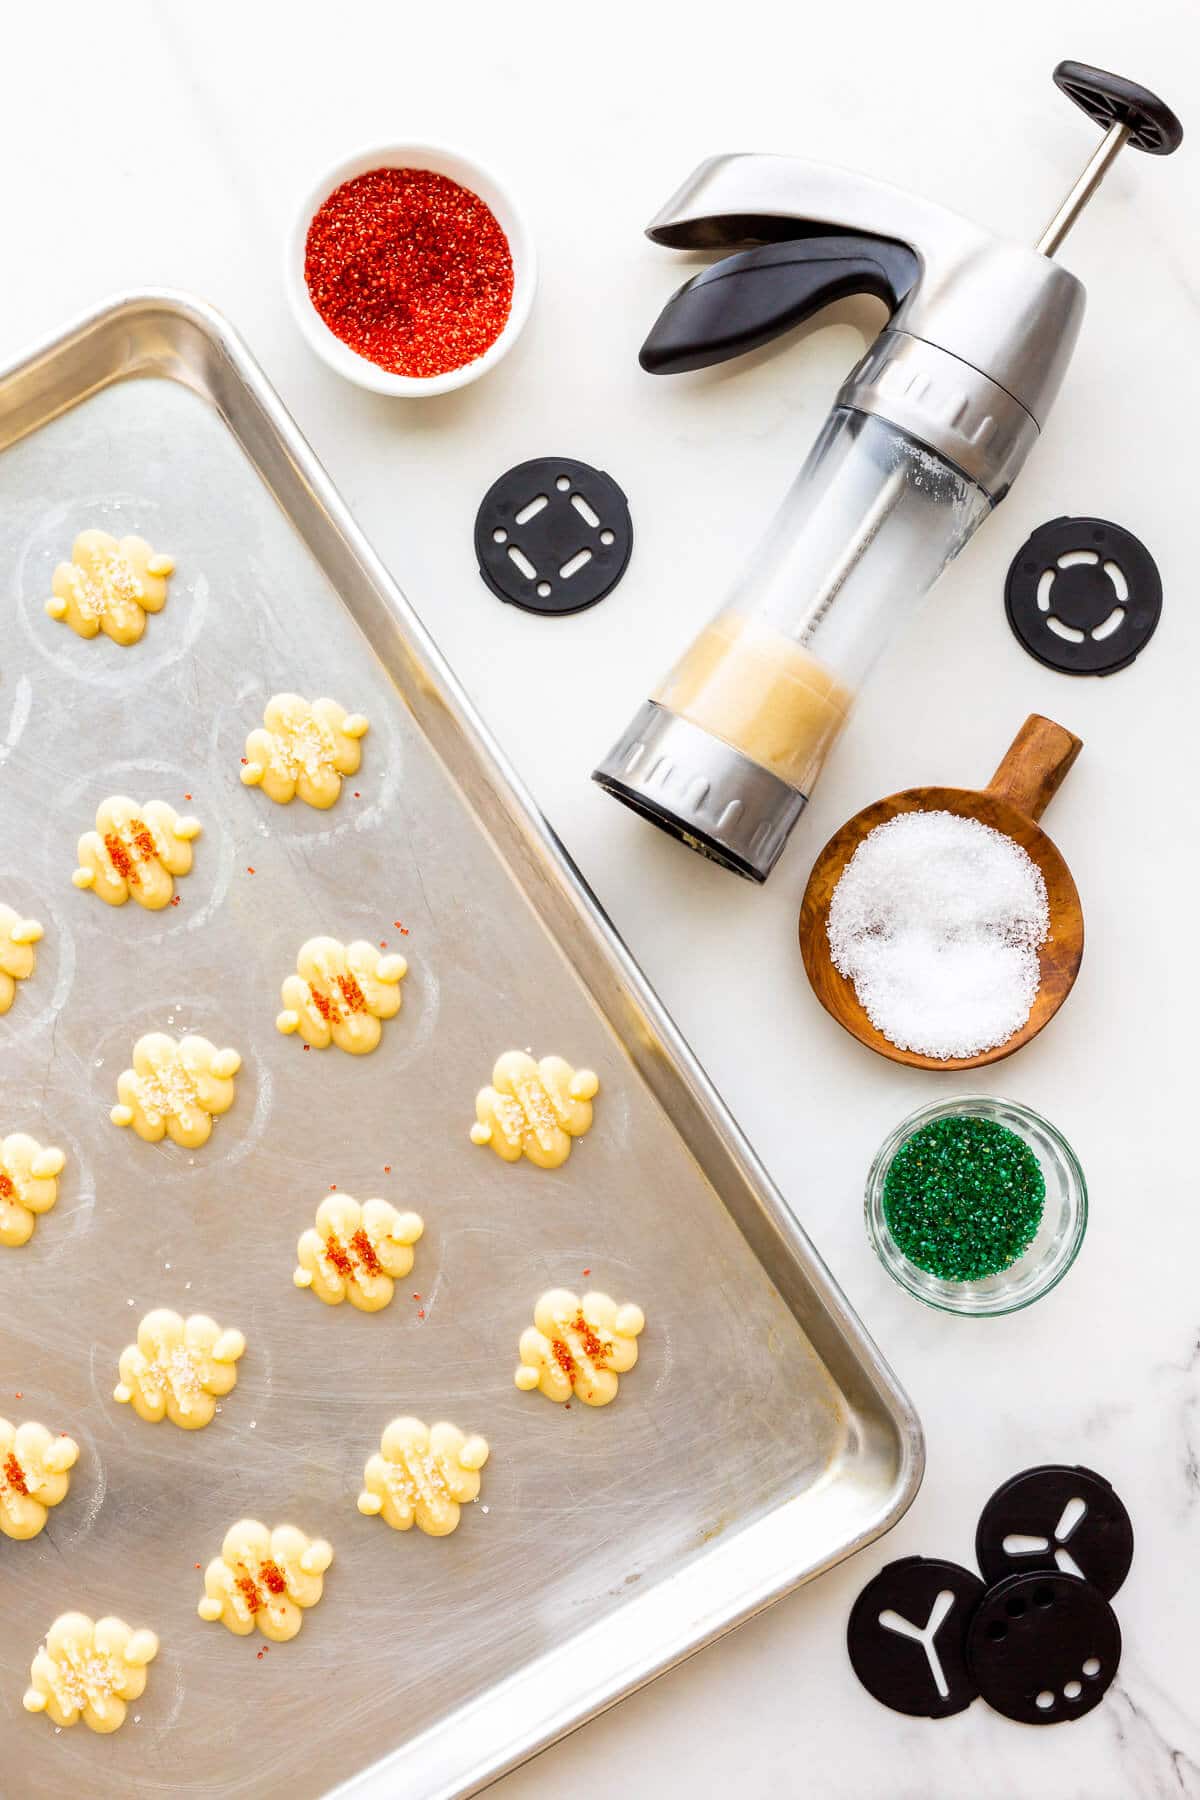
(937, 921)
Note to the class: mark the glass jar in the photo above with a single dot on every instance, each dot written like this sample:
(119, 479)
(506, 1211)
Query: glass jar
(1059, 1234)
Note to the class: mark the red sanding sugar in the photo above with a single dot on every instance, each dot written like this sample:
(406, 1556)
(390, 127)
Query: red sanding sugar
(409, 269)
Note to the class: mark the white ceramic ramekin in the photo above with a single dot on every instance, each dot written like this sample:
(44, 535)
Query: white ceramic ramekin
(468, 174)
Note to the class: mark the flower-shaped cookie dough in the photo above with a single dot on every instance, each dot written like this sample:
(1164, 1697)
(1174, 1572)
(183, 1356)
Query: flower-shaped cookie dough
(17, 957)
(422, 1475)
(34, 1465)
(29, 1174)
(579, 1346)
(179, 1368)
(340, 993)
(175, 1088)
(356, 1253)
(89, 1669)
(263, 1579)
(534, 1109)
(135, 850)
(109, 586)
(303, 748)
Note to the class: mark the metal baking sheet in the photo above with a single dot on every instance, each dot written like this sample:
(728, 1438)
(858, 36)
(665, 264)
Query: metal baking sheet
(760, 1438)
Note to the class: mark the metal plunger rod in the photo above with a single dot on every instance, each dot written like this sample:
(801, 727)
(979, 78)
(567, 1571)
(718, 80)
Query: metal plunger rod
(876, 516)
(1107, 150)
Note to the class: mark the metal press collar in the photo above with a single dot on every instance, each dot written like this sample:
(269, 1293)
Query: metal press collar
(946, 405)
(701, 790)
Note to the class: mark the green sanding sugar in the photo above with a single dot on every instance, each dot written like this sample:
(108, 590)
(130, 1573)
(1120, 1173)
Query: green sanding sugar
(963, 1198)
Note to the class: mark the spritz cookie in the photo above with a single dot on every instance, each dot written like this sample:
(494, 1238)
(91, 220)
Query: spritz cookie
(340, 993)
(534, 1109)
(17, 956)
(178, 1369)
(264, 1580)
(29, 1174)
(136, 850)
(175, 1089)
(356, 1253)
(109, 586)
(579, 1346)
(303, 747)
(89, 1670)
(35, 1467)
(422, 1475)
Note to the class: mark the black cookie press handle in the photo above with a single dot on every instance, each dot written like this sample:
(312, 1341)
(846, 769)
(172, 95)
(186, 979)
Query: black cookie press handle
(750, 298)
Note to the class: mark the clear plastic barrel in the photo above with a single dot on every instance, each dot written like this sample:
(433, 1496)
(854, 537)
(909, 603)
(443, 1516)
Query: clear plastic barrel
(868, 526)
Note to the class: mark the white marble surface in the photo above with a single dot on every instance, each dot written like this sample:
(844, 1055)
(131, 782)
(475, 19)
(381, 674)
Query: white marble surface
(162, 142)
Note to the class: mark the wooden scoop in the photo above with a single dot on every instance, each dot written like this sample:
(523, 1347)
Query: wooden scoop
(1032, 772)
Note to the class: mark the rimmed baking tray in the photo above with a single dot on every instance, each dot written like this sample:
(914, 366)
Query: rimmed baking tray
(761, 1436)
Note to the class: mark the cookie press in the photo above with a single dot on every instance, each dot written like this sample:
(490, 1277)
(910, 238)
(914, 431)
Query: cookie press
(927, 434)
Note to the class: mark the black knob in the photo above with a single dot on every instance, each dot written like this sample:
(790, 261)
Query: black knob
(1112, 100)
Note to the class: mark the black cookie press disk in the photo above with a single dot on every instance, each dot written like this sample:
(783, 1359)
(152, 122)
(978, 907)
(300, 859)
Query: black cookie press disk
(896, 1656)
(1043, 1648)
(1083, 596)
(553, 535)
(1056, 1517)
